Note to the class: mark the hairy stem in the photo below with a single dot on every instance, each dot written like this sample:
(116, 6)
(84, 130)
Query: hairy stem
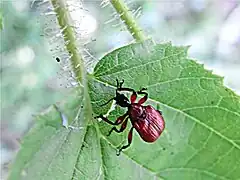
(128, 19)
(65, 22)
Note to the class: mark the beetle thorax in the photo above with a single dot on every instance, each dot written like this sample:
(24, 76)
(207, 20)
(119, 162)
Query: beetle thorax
(136, 111)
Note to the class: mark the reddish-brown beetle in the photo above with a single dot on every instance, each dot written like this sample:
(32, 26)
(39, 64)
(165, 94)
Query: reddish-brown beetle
(148, 121)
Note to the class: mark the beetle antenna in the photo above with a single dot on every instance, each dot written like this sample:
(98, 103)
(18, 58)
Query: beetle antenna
(119, 84)
(108, 101)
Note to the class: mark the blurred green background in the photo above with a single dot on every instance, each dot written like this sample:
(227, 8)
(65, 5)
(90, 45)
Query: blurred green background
(32, 79)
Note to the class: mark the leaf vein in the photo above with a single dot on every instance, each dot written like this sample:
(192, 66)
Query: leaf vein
(203, 107)
(194, 169)
(206, 126)
(134, 67)
(221, 157)
(58, 150)
(199, 150)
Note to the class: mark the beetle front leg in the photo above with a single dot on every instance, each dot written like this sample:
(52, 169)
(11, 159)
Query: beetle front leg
(117, 122)
(129, 142)
(144, 98)
(120, 88)
(134, 93)
(123, 127)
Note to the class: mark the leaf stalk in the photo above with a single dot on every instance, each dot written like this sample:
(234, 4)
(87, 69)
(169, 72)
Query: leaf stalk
(129, 20)
(65, 22)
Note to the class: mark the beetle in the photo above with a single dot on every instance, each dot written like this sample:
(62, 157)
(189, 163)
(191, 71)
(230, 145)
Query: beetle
(148, 121)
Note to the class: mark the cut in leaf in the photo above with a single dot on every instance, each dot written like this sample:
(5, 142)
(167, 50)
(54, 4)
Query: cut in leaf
(201, 139)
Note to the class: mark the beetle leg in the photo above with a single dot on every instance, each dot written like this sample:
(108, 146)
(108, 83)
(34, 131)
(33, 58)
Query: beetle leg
(107, 102)
(117, 122)
(123, 127)
(120, 88)
(129, 142)
(144, 98)
(133, 96)
(158, 107)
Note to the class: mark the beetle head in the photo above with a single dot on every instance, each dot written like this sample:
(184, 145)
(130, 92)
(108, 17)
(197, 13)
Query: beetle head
(121, 100)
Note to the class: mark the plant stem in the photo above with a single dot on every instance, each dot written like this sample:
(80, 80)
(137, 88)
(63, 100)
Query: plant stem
(65, 22)
(128, 19)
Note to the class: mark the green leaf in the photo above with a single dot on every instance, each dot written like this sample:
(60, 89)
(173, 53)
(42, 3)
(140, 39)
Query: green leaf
(201, 139)
(1, 20)
(202, 135)
(50, 151)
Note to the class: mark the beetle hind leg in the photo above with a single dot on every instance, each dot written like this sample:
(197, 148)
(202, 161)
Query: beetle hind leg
(129, 142)
(158, 107)
(160, 112)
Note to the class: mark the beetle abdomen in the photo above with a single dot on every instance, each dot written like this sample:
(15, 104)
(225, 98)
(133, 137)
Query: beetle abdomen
(151, 127)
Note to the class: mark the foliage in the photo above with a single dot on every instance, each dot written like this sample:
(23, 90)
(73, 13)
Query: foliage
(201, 139)
(1, 21)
